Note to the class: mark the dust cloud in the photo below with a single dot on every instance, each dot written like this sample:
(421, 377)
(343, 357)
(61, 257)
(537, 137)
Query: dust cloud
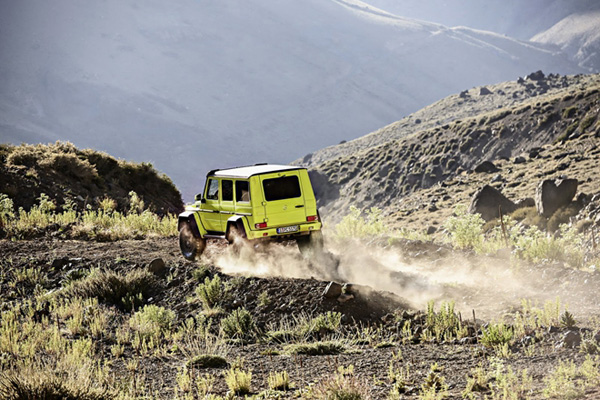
(488, 285)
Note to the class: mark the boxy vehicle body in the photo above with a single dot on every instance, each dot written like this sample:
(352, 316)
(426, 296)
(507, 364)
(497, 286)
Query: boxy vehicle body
(245, 204)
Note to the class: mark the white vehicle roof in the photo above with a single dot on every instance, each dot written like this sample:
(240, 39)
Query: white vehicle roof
(247, 172)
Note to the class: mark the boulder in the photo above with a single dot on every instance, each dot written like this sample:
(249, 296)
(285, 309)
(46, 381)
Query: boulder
(484, 91)
(487, 202)
(551, 195)
(332, 290)
(535, 152)
(519, 160)
(157, 267)
(571, 339)
(536, 76)
(487, 167)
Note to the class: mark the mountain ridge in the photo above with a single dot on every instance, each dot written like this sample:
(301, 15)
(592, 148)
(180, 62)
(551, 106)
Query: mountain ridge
(168, 84)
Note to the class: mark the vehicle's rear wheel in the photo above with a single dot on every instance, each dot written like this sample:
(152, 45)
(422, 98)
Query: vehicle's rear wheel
(236, 236)
(190, 245)
(310, 245)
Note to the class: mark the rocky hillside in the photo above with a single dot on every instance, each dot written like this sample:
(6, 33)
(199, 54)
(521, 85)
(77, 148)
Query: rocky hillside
(177, 84)
(83, 177)
(511, 124)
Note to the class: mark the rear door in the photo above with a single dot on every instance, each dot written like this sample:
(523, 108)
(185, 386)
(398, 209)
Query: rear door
(227, 207)
(284, 202)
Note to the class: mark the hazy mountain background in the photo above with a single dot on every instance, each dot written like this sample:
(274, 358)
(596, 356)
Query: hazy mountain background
(194, 85)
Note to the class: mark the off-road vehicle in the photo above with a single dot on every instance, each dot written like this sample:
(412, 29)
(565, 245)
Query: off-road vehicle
(252, 204)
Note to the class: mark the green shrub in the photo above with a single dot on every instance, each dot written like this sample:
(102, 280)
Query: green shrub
(7, 210)
(496, 334)
(466, 230)
(152, 322)
(321, 324)
(212, 292)
(239, 324)
(445, 324)
(354, 225)
(238, 381)
(125, 291)
(434, 386)
(279, 381)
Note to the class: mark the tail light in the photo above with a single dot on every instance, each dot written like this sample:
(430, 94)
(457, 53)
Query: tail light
(260, 225)
(312, 218)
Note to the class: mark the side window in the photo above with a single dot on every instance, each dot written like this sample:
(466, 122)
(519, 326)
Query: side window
(212, 193)
(227, 190)
(242, 191)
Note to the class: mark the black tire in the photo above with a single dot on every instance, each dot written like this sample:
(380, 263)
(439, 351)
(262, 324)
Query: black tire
(190, 245)
(236, 236)
(311, 245)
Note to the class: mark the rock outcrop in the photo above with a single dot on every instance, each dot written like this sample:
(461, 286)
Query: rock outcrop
(488, 202)
(551, 195)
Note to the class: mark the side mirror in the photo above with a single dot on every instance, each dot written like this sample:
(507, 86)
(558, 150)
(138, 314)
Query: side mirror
(198, 197)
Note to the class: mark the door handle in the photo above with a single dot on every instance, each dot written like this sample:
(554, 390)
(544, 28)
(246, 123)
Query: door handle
(300, 206)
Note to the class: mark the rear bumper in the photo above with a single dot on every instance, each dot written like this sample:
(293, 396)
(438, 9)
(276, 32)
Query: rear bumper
(304, 229)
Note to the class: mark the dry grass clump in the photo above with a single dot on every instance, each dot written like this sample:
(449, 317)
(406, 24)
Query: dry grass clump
(125, 291)
(207, 361)
(316, 349)
(16, 385)
(343, 384)
(103, 224)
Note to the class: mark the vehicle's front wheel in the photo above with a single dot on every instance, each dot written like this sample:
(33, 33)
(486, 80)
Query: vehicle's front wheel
(190, 245)
(310, 245)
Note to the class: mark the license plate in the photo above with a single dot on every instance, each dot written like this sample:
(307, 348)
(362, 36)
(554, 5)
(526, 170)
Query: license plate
(288, 229)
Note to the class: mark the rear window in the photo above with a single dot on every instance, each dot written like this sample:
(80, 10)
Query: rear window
(286, 187)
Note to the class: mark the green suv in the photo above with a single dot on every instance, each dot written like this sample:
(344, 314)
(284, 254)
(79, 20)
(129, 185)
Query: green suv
(246, 204)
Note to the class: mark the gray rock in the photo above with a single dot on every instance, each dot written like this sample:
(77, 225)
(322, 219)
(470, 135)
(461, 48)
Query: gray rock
(571, 339)
(487, 202)
(535, 152)
(484, 91)
(526, 202)
(551, 195)
(431, 230)
(487, 167)
(536, 76)
(519, 160)
(158, 267)
(332, 290)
